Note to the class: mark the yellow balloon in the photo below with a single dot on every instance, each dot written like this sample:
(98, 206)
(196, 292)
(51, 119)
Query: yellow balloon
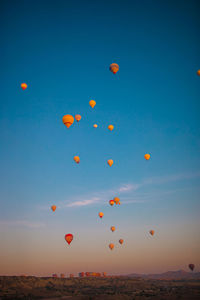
(110, 127)
(147, 156)
(95, 125)
(77, 159)
(92, 103)
(117, 200)
(68, 120)
(110, 162)
(101, 215)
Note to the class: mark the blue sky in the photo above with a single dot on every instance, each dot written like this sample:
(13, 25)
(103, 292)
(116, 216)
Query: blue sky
(63, 50)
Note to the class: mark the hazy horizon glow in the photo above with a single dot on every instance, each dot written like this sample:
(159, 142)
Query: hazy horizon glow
(63, 50)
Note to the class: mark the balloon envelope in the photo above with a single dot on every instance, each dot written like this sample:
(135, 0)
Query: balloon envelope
(24, 86)
(68, 120)
(191, 266)
(112, 228)
(147, 156)
(92, 103)
(110, 127)
(110, 162)
(95, 125)
(53, 207)
(77, 159)
(111, 246)
(111, 202)
(152, 232)
(198, 72)
(69, 238)
(101, 214)
(121, 241)
(78, 118)
(116, 199)
(114, 68)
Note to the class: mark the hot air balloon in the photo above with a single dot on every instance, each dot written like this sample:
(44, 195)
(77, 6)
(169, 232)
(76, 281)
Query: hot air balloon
(114, 68)
(111, 202)
(101, 214)
(110, 127)
(112, 228)
(92, 103)
(191, 266)
(95, 125)
(78, 118)
(111, 246)
(77, 159)
(198, 72)
(121, 241)
(152, 232)
(147, 156)
(110, 162)
(69, 238)
(116, 199)
(24, 86)
(68, 120)
(53, 207)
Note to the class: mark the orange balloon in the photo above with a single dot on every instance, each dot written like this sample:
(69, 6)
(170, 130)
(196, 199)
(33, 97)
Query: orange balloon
(53, 207)
(95, 125)
(101, 215)
(92, 103)
(111, 246)
(114, 68)
(110, 127)
(117, 200)
(68, 120)
(152, 232)
(78, 118)
(198, 72)
(111, 202)
(69, 238)
(121, 241)
(110, 162)
(112, 228)
(147, 156)
(24, 86)
(77, 159)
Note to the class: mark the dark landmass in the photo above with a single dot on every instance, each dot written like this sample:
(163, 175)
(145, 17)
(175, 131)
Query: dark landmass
(181, 274)
(110, 288)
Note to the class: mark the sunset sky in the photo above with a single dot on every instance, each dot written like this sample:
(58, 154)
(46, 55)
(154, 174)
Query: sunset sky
(62, 50)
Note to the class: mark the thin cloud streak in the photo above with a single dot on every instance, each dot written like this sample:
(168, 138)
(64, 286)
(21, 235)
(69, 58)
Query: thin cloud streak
(22, 223)
(171, 178)
(83, 202)
(130, 187)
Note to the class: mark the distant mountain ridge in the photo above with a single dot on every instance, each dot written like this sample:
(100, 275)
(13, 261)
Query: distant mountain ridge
(180, 274)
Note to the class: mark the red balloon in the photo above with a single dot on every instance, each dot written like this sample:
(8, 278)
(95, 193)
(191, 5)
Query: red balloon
(69, 238)
(191, 266)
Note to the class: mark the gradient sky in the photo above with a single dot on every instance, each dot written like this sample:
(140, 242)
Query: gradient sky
(62, 50)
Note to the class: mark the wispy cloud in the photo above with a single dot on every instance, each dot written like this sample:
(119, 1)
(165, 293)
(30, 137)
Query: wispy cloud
(129, 187)
(132, 189)
(23, 223)
(83, 202)
(171, 178)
